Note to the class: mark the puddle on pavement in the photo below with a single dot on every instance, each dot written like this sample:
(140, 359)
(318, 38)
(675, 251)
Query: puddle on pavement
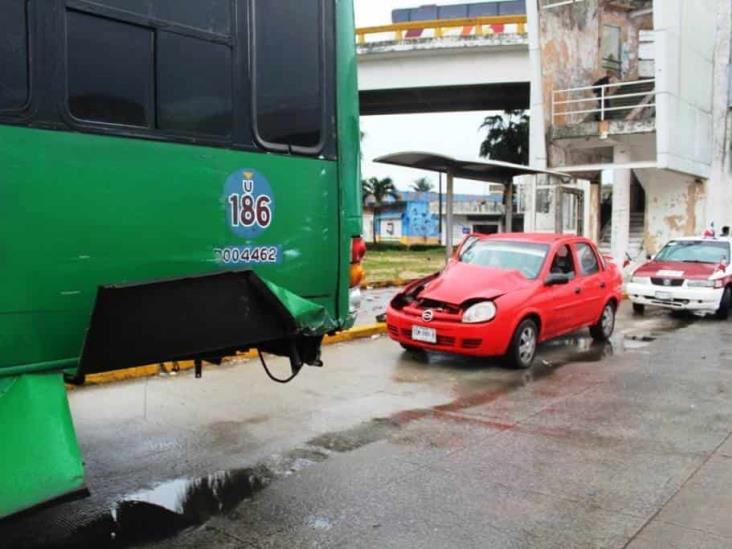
(553, 354)
(170, 507)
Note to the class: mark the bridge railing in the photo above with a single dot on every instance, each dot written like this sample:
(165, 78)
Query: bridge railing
(440, 28)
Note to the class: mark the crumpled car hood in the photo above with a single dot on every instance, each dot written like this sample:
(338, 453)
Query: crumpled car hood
(461, 282)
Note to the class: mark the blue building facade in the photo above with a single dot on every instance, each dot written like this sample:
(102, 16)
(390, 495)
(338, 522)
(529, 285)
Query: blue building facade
(414, 218)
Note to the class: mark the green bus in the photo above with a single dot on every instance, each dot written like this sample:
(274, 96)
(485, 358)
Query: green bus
(178, 181)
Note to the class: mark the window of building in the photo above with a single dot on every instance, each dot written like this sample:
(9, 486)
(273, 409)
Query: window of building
(587, 259)
(194, 85)
(110, 70)
(544, 199)
(289, 74)
(611, 48)
(13, 54)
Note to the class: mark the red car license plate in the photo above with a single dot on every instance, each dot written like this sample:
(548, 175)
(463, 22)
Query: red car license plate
(420, 333)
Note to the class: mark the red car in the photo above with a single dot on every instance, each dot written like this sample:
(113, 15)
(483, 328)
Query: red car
(501, 295)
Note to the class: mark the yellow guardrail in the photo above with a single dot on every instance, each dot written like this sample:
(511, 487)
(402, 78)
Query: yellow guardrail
(472, 26)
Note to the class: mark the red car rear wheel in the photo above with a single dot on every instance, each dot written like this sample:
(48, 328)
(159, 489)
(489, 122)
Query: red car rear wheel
(606, 325)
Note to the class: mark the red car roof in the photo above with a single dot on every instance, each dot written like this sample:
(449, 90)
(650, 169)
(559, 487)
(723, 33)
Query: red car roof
(540, 238)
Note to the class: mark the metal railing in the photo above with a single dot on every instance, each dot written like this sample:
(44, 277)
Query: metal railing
(549, 4)
(599, 99)
(439, 28)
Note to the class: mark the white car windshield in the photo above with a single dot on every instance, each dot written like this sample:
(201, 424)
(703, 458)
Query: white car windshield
(695, 251)
(525, 257)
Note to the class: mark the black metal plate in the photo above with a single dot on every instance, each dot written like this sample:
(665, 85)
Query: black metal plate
(202, 317)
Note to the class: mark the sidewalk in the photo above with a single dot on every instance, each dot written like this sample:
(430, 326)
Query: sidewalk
(698, 515)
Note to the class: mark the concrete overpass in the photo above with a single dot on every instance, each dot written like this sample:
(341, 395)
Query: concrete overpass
(444, 66)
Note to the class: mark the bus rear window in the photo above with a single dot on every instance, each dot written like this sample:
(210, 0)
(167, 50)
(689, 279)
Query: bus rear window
(13, 54)
(110, 67)
(206, 15)
(194, 85)
(288, 74)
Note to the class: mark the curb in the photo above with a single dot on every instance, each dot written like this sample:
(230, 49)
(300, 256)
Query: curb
(360, 332)
(379, 284)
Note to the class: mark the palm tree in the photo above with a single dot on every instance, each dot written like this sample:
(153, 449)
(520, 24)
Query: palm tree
(375, 191)
(422, 185)
(507, 137)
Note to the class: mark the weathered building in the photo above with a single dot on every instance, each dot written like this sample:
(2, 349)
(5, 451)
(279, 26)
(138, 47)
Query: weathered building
(639, 89)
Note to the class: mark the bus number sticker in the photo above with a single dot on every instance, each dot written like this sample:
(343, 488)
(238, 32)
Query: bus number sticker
(247, 255)
(250, 203)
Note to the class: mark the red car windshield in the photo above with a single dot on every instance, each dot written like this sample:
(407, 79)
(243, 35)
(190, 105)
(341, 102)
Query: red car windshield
(525, 257)
(694, 251)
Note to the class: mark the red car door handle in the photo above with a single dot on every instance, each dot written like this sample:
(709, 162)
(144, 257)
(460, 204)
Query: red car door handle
(578, 290)
(602, 284)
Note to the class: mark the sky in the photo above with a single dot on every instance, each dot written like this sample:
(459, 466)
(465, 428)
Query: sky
(454, 134)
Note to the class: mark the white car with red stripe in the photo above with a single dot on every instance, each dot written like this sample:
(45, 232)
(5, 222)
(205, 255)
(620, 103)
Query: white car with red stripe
(692, 274)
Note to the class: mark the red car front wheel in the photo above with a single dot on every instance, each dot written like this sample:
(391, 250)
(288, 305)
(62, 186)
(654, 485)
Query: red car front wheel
(522, 351)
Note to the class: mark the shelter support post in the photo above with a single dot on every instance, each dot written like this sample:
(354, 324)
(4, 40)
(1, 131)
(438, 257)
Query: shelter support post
(448, 224)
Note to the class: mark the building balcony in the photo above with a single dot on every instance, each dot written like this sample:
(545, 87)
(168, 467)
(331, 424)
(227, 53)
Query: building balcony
(603, 110)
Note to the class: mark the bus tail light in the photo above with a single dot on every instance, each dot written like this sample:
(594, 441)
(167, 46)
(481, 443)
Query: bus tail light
(358, 251)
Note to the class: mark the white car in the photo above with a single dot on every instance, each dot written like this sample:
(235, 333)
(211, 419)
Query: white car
(692, 274)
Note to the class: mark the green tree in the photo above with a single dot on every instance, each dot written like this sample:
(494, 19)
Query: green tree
(375, 191)
(422, 185)
(507, 137)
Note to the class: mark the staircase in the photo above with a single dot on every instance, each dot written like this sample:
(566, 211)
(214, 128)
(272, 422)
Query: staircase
(642, 86)
(633, 107)
(635, 240)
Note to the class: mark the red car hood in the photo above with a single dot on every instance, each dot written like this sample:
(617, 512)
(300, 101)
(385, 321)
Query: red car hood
(676, 269)
(460, 282)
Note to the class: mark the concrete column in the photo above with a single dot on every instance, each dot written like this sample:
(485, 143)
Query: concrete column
(537, 125)
(508, 199)
(529, 187)
(620, 233)
(448, 215)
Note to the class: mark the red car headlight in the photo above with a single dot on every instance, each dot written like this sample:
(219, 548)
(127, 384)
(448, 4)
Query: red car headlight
(480, 312)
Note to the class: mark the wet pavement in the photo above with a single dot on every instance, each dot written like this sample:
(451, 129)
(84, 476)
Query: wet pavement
(595, 446)
(373, 307)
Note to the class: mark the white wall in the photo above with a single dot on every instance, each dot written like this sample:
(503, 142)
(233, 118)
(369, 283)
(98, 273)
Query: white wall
(390, 229)
(460, 224)
(368, 225)
(685, 43)
(719, 189)
(675, 206)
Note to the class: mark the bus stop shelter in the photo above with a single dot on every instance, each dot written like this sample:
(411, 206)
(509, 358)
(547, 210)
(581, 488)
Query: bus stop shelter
(487, 171)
